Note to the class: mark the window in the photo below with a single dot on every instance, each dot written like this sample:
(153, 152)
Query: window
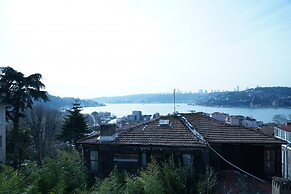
(143, 159)
(1, 119)
(283, 135)
(0, 141)
(187, 159)
(94, 160)
(269, 161)
(276, 132)
(288, 137)
(279, 133)
(126, 161)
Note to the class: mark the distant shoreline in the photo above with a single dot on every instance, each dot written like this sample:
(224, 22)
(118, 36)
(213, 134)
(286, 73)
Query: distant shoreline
(193, 104)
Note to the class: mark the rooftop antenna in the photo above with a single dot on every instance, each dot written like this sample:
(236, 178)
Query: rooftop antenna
(174, 101)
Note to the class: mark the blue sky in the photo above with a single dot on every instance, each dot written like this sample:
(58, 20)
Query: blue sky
(93, 48)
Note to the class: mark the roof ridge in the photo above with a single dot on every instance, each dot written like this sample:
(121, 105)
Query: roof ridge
(189, 126)
(89, 136)
(130, 128)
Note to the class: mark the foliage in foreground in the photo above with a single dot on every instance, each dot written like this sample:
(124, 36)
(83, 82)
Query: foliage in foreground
(66, 174)
(63, 174)
(155, 179)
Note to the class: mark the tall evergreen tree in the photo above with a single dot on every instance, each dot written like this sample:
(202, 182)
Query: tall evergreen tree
(19, 93)
(74, 126)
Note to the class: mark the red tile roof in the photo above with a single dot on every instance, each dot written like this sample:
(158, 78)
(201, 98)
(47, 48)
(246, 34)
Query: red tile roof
(215, 132)
(286, 127)
(151, 133)
(178, 134)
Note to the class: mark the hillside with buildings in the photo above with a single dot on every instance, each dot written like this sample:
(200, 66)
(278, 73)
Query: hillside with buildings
(259, 97)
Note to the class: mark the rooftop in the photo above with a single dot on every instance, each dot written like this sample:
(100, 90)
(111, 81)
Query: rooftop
(215, 132)
(176, 133)
(286, 127)
(153, 133)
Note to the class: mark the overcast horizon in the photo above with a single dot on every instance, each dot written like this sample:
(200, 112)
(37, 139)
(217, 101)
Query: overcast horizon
(93, 48)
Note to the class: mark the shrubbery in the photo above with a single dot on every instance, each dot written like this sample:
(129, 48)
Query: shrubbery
(63, 174)
(155, 179)
(66, 174)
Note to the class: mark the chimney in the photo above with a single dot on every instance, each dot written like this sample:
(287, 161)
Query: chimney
(164, 122)
(107, 132)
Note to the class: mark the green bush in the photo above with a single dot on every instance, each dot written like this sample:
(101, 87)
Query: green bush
(11, 181)
(155, 179)
(133, 185)
(207, 183)
(151, 179)
(113, 184)
(65, 174)
(173, 178)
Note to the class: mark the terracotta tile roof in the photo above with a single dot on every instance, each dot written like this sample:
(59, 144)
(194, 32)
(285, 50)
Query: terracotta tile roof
(151, 133)
(177, 134)
(269, 130)
(286, 127)
(215, 132)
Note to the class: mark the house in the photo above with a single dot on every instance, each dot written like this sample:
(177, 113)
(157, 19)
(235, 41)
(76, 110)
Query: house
(249, 149)
(137, 116)
(132, 148)
(193, 138)
(284, 132)
(235, 120)
(249, 122)
(219, 116)
(2, 134)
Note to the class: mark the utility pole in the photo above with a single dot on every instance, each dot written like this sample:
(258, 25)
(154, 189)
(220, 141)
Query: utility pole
(174, 101)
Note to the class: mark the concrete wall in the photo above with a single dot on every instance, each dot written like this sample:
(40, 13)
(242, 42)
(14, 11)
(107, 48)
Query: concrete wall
(281, 186)
(286, 162)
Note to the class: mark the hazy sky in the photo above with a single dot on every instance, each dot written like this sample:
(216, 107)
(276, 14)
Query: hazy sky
(91, 48)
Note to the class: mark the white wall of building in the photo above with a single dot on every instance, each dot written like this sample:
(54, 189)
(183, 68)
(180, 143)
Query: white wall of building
(286, 151)
(221, 117)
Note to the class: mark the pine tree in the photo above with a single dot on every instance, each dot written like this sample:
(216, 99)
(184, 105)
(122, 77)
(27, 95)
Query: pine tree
(74, 126)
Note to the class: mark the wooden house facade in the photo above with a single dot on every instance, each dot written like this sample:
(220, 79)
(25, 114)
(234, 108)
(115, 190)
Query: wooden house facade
(249, 149)
(186, 139)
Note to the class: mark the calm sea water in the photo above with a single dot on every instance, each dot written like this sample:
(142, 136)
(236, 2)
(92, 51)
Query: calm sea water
(261, 114)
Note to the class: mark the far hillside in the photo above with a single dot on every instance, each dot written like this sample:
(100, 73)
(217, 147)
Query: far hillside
(260, 97)
(152, 98)
(57, 102)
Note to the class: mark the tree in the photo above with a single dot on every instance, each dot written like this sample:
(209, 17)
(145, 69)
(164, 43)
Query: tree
(44, 124)
(63, 174)
(19, 92)
(280, 119)
(74, 125)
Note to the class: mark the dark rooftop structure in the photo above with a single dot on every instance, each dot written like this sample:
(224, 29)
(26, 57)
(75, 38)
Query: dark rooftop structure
(153, 133)
(215, 132)
(185, 138)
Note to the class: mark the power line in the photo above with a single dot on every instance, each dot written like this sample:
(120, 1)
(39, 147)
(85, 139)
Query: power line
(200, 137)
